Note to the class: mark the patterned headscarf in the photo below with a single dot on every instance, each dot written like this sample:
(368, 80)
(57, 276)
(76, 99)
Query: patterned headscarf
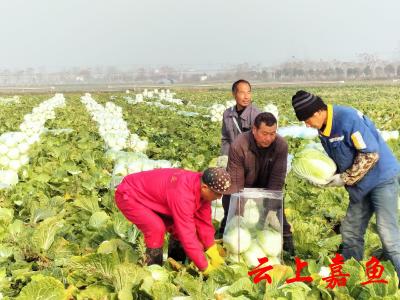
(217, 179)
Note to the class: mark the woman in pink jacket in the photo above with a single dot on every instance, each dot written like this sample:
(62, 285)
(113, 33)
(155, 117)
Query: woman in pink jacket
(176, 201)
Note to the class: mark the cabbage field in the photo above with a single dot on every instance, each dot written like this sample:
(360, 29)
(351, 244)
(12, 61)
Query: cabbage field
(62, 237)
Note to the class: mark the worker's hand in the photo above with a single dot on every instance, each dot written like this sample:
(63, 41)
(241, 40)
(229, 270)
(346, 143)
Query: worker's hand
(209, 268)
(335, 181)
(273, 221)
(213, 254)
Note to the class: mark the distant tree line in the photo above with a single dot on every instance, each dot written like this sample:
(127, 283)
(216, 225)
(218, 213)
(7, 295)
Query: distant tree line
(368, 68)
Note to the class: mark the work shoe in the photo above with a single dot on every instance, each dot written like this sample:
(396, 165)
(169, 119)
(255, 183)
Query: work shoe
(154, 256)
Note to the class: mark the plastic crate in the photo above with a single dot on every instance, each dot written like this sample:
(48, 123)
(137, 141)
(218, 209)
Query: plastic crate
(254, 226)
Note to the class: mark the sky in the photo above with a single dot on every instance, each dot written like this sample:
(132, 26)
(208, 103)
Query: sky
(87, 33)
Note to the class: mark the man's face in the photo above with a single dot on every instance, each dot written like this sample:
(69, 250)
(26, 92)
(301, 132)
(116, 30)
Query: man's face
(208, 194)
(316, 120)
(264, 135)
(242, 95)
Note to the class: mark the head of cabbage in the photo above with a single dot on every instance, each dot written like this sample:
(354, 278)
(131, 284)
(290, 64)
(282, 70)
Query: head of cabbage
(237, 240)
(314, 165)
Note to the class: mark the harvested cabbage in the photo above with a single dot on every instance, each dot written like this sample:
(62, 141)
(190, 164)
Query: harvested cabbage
(314, 166)
(270, 242)
(251, 214)
(8, 178)
(252, 255)
(237, 240)
(158, 273)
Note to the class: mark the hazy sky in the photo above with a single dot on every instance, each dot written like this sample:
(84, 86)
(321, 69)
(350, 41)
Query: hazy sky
(65, 33)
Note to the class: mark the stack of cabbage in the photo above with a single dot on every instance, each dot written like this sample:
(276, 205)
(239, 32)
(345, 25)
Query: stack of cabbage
(247, 241)
(9, 100)
(389, 135)
(133, 162)
(14, 146)
(217, 210)
(147, 94)
(130, 100)
(33, 124)
(138, 98)
(217, 111)
(272, 109)
(112, 127)
(230, 103)
(137, 144)
(314, 165)
(169, 97)
(162, 96)
(296, 131)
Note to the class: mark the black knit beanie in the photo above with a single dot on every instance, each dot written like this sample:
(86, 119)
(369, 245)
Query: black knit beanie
(306, 104)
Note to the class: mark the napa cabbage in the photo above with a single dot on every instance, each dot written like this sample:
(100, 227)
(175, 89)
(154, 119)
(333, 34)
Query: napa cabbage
(251, 214)
(237, 240)
(270, 242)
(8, 178)
(252, 255)
(158, 273)
(314, 165)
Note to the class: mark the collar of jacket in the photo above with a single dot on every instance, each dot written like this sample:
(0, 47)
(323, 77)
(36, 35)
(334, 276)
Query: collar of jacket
(253, 145)
(329, 121)
(245, 114)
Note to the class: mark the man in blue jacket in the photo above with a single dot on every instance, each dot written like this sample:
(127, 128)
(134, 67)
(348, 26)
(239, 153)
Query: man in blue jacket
(366, 167)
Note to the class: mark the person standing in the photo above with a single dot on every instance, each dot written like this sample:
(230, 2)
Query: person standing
(236, 119)
(258, 159)
(366, 167)
(240, 117)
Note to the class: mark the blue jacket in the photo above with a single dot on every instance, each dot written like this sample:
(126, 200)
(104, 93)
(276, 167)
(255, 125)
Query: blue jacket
(347, 132)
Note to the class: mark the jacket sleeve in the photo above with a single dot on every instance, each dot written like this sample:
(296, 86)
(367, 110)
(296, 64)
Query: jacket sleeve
(367, 147)
(279, 167)
(362, 138)
(236, 168)
(182, 205)
(204, 226)
(225, 141)
(362, 164)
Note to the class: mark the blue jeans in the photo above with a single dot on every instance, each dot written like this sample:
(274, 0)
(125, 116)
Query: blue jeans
(382, 201)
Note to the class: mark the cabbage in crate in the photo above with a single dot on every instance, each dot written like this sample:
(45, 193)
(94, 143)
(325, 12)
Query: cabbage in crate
(253, 229)
(314, 165)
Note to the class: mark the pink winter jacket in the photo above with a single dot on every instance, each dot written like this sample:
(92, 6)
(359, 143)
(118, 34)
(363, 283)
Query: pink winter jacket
(176, 193)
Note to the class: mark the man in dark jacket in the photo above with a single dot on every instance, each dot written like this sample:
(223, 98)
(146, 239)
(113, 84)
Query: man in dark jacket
(258, 159)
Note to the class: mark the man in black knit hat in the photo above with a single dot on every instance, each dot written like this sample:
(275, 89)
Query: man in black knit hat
(366, 167)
